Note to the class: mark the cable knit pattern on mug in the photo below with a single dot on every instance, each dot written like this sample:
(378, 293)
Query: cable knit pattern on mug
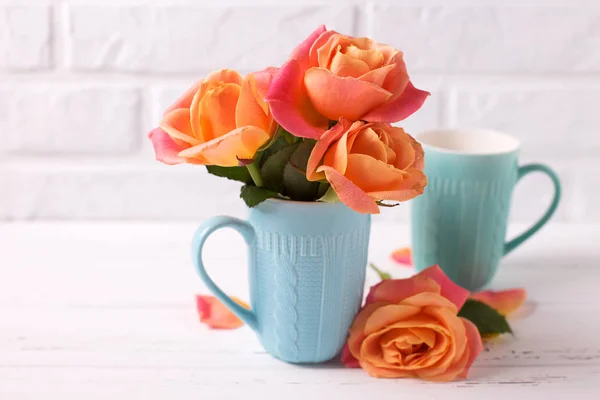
(286, 297)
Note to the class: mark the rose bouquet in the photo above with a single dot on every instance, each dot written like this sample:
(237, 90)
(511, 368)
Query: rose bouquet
(315, 129)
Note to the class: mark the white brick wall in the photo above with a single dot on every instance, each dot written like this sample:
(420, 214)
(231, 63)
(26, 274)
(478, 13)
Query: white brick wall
(81, 82)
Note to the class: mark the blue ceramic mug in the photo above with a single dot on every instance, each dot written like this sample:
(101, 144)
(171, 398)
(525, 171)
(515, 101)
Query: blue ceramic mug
(307, 265)
(459, 222)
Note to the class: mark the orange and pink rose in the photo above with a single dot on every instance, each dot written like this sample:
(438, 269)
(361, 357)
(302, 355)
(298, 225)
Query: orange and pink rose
(331, 76)
(218, 121)
(410, 328)
(368, 162)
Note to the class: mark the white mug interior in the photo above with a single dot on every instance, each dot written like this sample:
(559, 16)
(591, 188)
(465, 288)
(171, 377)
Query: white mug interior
(468, 141)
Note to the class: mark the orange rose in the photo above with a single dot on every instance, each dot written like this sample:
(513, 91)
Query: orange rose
(218, 121)
(367, 162)
(410, 328)
(331, 76)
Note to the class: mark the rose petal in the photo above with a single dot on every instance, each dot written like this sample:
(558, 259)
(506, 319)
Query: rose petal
(504, 301)
(397, 314)
(214, 314)
(251, 108)
(431, 299)
(348, 359)
(226, 150)
(343, 65)
(302, 51)
(223, 75)
(371, 56)
(165, 148)
(399, 108)
(403, 147)
(403, 256)
(217, 111)
(474, 344)
(350, 194)
(368, 143)
(325, 48)
(290, 104)
(397, 79)
(357, 330)
(411, 186)
(336, 97)
(176, 124)
(449, 289)
(185, 100)
(377, 76)
(373, 175)
(396, 290)
(318, 152)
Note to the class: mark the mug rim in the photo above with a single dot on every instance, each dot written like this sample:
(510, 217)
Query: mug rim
(510, 145)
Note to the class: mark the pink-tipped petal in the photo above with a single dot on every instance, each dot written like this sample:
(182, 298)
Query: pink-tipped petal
(318, 44)
(316, 156)
(290, 104)
(399, 108)
(348, 359)
(214, 314)
(396, 290)
(302, 51)
(165, 148)
(350, 194)
(449, 289)
(185, 100)
(504, 301)
(474, 344)
(403, 256)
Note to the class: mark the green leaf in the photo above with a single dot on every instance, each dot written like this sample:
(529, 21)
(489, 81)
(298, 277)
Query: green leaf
(295, 184)
(323, 189)
(275, 146)
(486, 319)
(382, 275)
(253, 195)
(330, 196)
(272, 168)
(239, 174)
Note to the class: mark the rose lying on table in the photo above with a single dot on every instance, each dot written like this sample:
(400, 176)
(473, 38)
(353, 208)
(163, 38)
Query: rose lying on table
(423, 327)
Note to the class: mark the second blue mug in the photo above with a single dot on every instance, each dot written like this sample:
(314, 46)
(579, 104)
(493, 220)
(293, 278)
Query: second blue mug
(459, 222)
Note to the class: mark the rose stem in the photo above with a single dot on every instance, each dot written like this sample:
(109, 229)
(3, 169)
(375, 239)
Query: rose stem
(255, 173)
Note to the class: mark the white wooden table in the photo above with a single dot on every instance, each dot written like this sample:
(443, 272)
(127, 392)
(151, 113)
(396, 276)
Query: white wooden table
(106, 311)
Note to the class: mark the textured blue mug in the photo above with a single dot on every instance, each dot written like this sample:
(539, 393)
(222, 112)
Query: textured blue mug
(307, 265)
(459, 222)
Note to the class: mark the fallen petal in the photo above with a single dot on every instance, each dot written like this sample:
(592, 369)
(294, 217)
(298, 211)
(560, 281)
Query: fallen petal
(403, 256)
(214, 314)
(504, 301)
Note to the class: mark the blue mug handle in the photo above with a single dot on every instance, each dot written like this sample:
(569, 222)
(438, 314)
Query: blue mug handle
(203, 232)
(525, 170)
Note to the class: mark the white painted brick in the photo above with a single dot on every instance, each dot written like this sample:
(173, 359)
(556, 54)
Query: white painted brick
(489, 39)
(429, 115)
(69, 119)
(550, 122)
(587, 196)
(189, 38)
(176, 192)
(24, 37)
(163, 97)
